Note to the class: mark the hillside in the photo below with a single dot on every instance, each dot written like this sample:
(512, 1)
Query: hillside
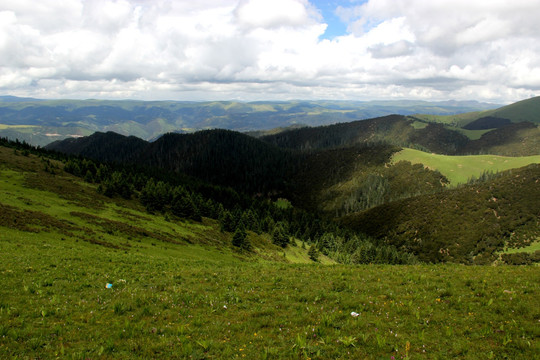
(178, 196)
(86, 275)
(336, 169)
(344, 180)
(469, 224)
(520, 139)
(527, 110)
(45, 121)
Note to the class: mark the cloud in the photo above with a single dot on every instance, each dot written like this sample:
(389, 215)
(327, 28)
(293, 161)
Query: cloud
(259, 49)
(274, 14)
(398, 48)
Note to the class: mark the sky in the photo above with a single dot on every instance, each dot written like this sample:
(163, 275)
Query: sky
(248, 50)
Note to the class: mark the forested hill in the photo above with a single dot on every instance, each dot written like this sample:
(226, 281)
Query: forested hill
(470, 224)
(511, 139)
(222, 157)
(107, 147)
(394, 129)
(408, 206)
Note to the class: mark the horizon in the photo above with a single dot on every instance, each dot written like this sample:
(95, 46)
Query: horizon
(261, 101)
(286, 50)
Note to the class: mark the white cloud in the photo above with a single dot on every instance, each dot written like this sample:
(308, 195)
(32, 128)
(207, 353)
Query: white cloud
(260, 49)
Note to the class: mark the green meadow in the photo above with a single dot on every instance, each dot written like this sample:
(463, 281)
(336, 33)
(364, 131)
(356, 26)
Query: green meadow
(460, 169)
(192, 302)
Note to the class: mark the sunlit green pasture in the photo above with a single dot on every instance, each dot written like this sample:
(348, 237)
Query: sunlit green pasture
(459, 169)
(190, 302)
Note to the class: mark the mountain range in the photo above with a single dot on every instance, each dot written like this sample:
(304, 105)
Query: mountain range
(40, 122)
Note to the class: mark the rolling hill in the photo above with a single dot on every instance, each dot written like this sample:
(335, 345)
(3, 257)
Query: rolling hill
(222, 157)
(519, 139)
(336, 180)
(527, 110)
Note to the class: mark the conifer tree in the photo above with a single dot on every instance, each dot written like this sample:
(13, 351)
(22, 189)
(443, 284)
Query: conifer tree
(279, 236)
(313, 253)
(226, 221)
(240, 238)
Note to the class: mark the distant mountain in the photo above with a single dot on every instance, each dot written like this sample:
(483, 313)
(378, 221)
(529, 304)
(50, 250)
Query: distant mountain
(150, 119)
(15, 99)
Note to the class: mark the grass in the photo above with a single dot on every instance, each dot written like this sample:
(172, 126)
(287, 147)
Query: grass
(459, 169)
(471, 134)
(454, 120)
(204, 304)
(535, 246)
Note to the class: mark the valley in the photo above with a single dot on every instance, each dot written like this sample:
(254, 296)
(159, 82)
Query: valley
(338, 241)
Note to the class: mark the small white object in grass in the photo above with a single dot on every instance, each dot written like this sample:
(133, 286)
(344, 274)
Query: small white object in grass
(225, 307)
(108, 286)
(355, 314)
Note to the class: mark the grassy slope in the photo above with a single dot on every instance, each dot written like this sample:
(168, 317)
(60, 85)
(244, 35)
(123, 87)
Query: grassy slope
(525, 110)
(459, 169)
(53, 303)
(535, 246)
(74, 209)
